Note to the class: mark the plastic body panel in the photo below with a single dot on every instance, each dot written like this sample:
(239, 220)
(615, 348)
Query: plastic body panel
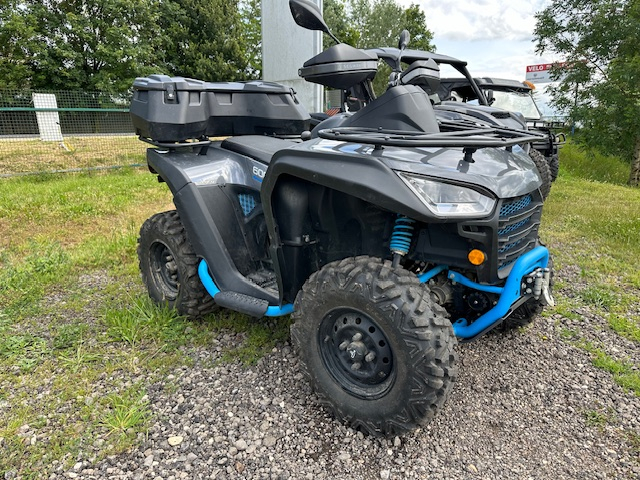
(340, 66)
(352, 178)
(205, 191)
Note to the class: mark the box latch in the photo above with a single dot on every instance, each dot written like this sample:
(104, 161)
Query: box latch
(170, 94)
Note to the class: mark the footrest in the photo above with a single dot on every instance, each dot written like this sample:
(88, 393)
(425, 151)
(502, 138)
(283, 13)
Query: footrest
(240, 302)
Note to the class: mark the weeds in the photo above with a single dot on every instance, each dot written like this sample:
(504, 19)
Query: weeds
(127, 414)
(143, 320)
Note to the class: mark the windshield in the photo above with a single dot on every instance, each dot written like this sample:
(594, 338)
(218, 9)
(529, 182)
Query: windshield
(515, 101)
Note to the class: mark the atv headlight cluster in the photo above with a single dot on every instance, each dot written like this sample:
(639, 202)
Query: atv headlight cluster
(448, 200)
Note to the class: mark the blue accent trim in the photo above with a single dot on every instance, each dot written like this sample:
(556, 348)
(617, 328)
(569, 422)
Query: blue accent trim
(426, 276)
(402, 235)
(207, 281)
(536, 258)
(212, 288)
(286, 309)
(462, 280)
(247, 203)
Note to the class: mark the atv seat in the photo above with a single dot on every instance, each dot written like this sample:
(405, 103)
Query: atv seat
(260, 147)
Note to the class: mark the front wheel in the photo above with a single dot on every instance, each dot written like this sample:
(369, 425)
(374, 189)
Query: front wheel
(378, 352)
(169, 266)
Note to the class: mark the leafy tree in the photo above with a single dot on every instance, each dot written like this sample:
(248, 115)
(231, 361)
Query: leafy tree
(16, 33)
(76, 44)
(600, 89)
(415, 22)
(377, 23)
(250, 11)
(205, 39)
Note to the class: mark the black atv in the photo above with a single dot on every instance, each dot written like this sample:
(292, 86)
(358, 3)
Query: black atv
(388, 237)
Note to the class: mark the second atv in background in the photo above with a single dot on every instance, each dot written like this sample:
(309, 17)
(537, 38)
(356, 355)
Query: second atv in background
(512, 96)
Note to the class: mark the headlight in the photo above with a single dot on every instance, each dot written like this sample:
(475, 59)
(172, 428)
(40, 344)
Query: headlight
(447, 200)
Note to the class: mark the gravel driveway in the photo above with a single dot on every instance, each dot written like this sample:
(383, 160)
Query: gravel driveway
(526, 405)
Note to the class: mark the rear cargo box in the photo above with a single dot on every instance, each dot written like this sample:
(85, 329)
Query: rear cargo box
(175, 109)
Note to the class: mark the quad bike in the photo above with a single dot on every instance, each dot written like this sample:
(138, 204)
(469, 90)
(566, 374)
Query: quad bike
(389, 237)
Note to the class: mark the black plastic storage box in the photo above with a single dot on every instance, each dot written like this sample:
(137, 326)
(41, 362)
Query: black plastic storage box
(174, 109)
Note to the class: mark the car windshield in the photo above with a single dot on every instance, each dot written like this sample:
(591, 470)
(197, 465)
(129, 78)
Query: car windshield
(515, 101)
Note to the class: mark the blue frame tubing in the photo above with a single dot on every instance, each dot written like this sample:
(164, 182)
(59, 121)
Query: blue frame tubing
(212, 288)
(509, 293)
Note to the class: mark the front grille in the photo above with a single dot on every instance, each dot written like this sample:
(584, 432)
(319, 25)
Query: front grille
(518, 224)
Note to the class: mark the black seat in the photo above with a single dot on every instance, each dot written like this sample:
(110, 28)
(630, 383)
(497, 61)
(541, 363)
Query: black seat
(260, 147)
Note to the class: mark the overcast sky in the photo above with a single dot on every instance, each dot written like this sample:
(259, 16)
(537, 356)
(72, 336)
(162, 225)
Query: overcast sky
(495, 37)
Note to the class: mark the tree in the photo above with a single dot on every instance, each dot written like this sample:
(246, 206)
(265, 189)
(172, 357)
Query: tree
(600, 86)
(204, 39)
(106, 44)
(250, 12)
(377, 23)
(76, 44)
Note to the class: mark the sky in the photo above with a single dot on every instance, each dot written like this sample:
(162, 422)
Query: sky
(495, 37)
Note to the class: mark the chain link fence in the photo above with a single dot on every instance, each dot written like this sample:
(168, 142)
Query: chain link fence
(65, 131)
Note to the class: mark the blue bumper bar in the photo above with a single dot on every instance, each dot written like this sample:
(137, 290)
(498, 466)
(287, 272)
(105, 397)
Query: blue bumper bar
(212, 288)
(509, 294)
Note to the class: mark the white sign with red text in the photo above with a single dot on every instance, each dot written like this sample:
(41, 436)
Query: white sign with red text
(540, 73)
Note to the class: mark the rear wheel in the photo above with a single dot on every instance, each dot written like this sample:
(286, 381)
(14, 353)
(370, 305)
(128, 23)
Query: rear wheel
(377, 351)
(543, 169)
(169, 266)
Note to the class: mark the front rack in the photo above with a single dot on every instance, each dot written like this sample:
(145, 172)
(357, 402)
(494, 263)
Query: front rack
(451, 134)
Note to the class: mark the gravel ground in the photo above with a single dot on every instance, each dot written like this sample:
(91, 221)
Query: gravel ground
(519, 410)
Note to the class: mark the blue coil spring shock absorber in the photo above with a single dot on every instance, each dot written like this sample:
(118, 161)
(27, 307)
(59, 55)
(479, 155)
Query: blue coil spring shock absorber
(401, 238)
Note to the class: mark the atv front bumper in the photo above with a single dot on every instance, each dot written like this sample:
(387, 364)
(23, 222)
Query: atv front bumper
(529, 278)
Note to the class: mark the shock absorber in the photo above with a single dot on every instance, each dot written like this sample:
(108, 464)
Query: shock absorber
(401, 238)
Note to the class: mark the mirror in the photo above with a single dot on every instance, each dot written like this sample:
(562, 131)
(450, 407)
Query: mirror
(490, 97)
(404, 39)
(307, 14)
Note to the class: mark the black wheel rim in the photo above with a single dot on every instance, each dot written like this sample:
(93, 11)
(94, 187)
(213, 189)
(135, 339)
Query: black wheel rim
(164, 270)
(356, 353)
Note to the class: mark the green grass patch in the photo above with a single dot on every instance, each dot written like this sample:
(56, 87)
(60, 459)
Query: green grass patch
(598, 418)
(595, 226)
(126, 414)
(20, 156)
(624, 373)
(626, 326)
(142, 320)
(590, 165)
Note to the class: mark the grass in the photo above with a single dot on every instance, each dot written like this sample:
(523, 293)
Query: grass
(79, 339)
(80, 343)
(592, 221)
(590, 165)
(21, 156)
